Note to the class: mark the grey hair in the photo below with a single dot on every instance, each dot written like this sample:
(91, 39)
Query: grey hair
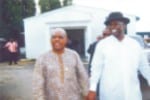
(60, 30)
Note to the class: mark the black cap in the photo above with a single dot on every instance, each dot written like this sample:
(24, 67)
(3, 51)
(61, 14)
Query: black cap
(116, 16)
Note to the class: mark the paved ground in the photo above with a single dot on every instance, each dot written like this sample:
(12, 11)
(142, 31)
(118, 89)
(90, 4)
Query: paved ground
(15, 82)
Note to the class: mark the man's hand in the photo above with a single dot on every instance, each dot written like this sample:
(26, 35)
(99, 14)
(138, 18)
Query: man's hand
(91, 95)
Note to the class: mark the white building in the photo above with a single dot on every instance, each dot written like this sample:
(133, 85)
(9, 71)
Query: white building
(82, 23)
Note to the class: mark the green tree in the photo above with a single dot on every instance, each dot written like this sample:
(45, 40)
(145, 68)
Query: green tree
(1, 20)
(47, 5)
(12, 14)
(54, 4)
(11, 10)
(67, 2)
(28, 8)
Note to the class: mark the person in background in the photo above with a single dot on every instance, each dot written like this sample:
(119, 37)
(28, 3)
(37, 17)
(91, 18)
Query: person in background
(106, 32)
(12, 47)
(91, 50)
(59, 74)
(116, 64)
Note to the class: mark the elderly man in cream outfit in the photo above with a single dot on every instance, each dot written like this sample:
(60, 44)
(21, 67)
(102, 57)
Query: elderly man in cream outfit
(59, 74)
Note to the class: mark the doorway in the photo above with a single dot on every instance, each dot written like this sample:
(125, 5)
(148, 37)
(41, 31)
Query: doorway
(76, 40)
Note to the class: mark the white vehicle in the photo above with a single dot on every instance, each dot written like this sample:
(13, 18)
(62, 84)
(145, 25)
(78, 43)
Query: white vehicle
(146, 46)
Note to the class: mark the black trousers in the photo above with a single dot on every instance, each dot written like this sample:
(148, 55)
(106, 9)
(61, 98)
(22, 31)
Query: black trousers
(13, 57)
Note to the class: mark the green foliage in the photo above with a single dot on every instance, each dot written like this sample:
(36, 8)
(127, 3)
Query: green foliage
(67, 2)
(47, 5)
(55, 4)
(12, 14)
(28, 8)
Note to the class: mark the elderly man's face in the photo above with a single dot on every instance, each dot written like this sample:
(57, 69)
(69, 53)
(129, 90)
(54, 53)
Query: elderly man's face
(58, 41)
(117, 27)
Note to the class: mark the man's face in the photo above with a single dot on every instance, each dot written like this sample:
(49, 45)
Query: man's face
(117, 27)
(58, 41)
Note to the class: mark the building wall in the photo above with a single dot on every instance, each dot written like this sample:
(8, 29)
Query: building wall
(35, 38)
(37, 29)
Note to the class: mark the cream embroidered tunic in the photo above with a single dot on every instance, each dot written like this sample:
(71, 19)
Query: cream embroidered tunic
(59, 77)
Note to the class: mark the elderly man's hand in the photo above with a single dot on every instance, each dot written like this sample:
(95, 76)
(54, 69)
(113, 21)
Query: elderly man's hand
(91, 95)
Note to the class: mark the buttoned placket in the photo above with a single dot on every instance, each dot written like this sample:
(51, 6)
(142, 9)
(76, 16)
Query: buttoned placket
(61, 65)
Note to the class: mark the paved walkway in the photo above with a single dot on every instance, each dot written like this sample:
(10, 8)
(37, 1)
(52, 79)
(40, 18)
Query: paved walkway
(16, 82)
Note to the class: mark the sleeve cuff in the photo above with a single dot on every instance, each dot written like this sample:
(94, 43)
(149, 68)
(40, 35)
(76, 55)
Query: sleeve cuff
(93, 87)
